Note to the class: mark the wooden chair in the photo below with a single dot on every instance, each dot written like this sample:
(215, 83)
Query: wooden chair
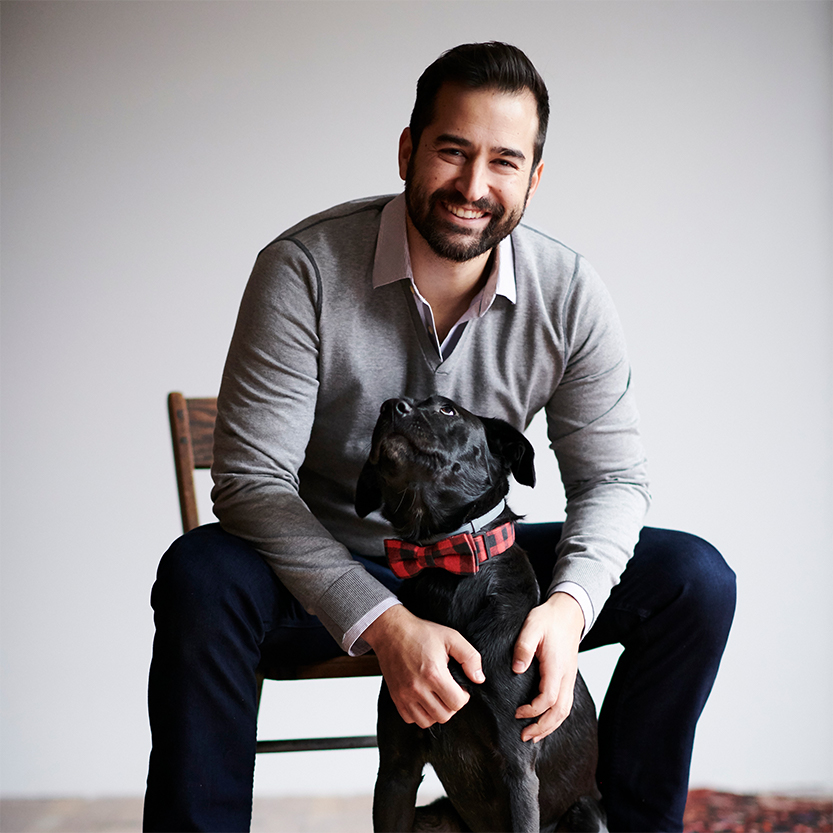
(192, 433)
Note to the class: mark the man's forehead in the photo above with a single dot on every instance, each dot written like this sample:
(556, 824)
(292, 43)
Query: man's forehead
(463, 115)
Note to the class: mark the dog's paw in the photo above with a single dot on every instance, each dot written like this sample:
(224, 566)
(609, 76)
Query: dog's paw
(439, 817)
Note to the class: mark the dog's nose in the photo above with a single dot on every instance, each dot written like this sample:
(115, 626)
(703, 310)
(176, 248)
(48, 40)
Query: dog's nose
(397, 407)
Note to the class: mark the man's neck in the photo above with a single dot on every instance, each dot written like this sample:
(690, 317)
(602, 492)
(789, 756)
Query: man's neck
(449, 287)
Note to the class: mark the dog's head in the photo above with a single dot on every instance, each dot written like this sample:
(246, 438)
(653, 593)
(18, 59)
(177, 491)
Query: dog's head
(434, 465)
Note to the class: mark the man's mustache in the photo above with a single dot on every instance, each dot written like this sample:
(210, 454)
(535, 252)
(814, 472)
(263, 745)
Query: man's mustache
(456, 198)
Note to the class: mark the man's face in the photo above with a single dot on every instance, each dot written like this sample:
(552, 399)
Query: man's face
(469, 180)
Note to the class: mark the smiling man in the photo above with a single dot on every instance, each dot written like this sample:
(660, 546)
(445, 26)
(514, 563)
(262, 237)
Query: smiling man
(440, 290)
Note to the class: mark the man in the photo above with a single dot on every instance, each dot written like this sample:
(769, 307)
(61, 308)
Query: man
(439, 290)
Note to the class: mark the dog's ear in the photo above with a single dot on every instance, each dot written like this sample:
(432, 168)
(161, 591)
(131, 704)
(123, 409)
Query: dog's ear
(368, 493)
(507, 442)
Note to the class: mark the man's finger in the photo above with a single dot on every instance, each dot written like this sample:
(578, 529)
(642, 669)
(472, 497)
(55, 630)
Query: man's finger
(541, 703)
(550, 718)
(420, 716)
(468, 657)
(445, 695)
(536, 708)
(547, 696)
(525, 648)
(547, 724)
(436, 698)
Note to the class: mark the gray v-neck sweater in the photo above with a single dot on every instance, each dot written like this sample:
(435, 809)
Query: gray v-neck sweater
(317, 349)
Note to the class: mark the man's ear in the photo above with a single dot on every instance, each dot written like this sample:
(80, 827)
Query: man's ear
(406, 148)
(368, 493)
(534, 181)
(511, 445)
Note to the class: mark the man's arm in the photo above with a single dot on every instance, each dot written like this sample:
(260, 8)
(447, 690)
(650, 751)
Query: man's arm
(266, 409)
(593, 429)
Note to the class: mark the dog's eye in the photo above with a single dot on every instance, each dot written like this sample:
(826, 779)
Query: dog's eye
(447, 410)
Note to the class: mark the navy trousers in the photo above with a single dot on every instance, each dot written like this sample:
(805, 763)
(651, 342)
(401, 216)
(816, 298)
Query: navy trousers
(221, 614)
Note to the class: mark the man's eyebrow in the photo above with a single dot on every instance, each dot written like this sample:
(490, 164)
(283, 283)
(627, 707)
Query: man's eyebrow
(513, 152)
(451, 138)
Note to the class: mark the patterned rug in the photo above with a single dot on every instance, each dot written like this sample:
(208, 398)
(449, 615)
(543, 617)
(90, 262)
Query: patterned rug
(708, 811)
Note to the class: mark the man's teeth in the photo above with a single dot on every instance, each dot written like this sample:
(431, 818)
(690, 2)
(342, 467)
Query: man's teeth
(465, 213)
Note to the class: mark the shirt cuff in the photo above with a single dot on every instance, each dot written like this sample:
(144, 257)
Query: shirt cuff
(581, 596)
(353, 643)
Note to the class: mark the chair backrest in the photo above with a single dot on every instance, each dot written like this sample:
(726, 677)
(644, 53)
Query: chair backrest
(192, 434)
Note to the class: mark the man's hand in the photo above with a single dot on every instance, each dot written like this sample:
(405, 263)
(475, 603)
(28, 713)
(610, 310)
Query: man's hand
(413, 654)
(551, 633)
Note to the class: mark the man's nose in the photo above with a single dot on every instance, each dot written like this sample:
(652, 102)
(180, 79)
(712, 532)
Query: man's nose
(472, 182)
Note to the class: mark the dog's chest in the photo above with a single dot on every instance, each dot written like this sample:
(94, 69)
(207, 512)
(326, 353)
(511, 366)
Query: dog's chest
(488, 608)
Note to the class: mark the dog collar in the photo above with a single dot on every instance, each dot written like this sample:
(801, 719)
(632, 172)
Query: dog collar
(474, 526)
(461, 553)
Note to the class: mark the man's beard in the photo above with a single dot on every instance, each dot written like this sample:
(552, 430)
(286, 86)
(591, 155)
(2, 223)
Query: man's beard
(447, 240)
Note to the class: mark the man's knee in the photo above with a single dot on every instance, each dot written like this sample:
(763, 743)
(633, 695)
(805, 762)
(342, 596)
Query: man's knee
(706, 585)
(202, 568)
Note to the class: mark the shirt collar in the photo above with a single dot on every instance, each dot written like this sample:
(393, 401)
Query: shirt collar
(393, 261)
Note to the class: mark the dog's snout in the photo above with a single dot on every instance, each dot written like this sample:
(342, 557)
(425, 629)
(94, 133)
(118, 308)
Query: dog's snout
(397, 407)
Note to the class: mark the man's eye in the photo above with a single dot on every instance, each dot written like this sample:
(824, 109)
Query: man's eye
(447, 410)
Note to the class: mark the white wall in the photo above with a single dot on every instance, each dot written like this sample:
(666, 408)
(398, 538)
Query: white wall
(149, 151)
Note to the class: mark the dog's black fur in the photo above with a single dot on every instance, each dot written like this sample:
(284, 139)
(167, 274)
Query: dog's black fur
(433, 466)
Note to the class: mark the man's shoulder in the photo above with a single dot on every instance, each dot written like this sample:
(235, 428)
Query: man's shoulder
(330, 242)
(548, 268)
(542, 243)
(366, 210)
(545, 258)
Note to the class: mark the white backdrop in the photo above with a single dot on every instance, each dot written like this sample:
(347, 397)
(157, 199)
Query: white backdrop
(149, 150)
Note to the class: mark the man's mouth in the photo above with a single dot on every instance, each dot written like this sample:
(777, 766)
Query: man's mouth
(464, 213)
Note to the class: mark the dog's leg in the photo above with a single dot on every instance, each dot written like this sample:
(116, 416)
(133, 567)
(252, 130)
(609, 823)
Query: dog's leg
(522, 782)
(401, 760)
(520, 776)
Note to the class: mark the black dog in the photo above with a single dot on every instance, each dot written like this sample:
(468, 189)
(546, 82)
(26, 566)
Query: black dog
(437, 470)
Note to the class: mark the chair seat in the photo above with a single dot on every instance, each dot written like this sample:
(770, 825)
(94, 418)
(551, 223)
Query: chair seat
(363, 666)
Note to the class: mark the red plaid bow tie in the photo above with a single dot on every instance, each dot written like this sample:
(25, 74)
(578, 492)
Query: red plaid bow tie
(461, 554)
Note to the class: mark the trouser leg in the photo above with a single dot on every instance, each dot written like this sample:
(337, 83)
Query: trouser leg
(671, 611)
(215, 603)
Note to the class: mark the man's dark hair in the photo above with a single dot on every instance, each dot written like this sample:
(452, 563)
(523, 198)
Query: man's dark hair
(494, 65)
